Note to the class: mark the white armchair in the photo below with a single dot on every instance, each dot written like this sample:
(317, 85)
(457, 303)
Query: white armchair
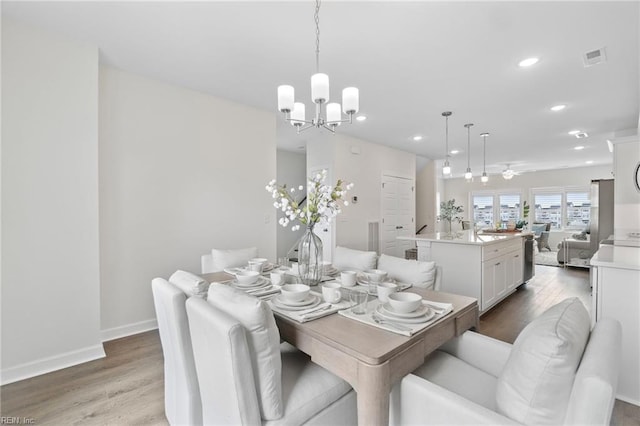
(545, 377)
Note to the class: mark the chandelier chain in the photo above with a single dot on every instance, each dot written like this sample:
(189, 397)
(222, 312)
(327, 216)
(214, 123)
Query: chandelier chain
(316, 18)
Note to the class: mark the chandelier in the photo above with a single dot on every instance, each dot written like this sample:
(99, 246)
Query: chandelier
(328, 115)
(446, 168)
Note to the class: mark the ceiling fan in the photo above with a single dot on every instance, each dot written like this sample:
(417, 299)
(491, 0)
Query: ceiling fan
(509, 173)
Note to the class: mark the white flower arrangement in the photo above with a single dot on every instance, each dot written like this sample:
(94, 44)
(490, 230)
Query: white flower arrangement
(323, 201)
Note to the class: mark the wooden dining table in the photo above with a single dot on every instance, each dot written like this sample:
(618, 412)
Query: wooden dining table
(369, 358)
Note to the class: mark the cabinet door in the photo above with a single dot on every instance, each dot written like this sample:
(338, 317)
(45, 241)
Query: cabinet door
(515, 270)
(488, 284)
(500, 276)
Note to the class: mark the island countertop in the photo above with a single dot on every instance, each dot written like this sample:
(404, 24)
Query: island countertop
(617, 257)
(467, 237)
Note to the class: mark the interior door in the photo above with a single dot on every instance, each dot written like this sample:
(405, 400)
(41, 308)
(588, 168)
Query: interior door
(398, 201)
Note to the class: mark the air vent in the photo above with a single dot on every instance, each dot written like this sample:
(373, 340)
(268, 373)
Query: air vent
(594, 57)
(581, 135)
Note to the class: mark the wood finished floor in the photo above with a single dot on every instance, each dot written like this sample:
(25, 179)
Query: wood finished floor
(126, 387)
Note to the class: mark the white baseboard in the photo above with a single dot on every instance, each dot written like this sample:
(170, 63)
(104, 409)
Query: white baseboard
(47, 365)
(128, 330)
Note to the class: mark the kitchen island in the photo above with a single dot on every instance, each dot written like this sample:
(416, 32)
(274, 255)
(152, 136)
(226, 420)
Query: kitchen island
(486, 266)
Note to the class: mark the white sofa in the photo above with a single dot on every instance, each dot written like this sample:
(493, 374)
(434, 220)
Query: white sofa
(556, 372)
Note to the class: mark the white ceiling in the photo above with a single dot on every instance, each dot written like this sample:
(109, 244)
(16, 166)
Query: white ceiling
(410, 60)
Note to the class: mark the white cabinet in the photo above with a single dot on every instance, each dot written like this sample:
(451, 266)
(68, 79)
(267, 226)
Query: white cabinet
(483, 267)
(615, 278)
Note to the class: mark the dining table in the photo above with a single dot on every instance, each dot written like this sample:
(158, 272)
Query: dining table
(372, 360)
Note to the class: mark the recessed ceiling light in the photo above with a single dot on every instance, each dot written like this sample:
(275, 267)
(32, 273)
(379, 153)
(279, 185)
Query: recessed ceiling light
(528, 62)
(589, 162)
(574, 132)
(558, 107)
(581, 135)
(454, 151)
(578, 148)
(417, 138)
(361, 117)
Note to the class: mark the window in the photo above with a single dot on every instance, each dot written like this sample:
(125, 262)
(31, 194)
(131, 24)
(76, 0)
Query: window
(565, 208)
(548, 208)
(483, 210)
(578, 208)
(491, 208)
(509, 207)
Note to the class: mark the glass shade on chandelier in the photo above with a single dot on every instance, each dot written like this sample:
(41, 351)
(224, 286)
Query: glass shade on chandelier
(327, 115)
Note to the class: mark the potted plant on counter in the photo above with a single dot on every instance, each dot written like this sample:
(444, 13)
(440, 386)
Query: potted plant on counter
(521, 224)
(450, 212)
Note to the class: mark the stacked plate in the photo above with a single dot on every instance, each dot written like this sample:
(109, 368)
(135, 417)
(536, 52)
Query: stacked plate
(328, 269)
(423, 314)
(309, 302)
(260, 284)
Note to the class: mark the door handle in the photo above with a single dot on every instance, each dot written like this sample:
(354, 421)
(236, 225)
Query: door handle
(399, 227)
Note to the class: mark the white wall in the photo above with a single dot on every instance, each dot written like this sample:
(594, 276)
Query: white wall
(362, 163)
(460, 190)
(50, 271)
(181, 172)
(292, 171)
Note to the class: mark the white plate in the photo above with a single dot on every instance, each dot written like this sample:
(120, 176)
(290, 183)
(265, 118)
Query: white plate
(330, 271)
(417, 320)
(422, 310)
(310, 302)
(260, 282)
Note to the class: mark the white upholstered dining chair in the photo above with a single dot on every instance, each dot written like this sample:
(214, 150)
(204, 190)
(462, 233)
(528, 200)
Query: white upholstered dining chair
(219, 259)
(181, 393)
(419, 273)
(556, 372)
(247, 377)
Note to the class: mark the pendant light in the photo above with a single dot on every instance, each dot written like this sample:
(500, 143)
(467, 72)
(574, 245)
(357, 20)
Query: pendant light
(446, 169)
(484, 177)
(468, 175)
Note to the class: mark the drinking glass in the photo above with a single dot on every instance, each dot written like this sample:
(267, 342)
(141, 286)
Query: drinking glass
(358, 301)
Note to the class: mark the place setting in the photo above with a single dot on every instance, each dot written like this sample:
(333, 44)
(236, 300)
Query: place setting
(257, 264)
(252, 282)
(298, 302)
(403, 313)
(372, 277)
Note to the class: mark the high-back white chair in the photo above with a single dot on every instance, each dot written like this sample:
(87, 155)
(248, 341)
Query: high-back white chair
(419, 273)
(181, 393)
(345, 258)
(219, 259)
(556, 372)
(247, 377)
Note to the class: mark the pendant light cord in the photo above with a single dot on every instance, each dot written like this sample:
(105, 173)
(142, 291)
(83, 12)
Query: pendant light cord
(468, 147)
(316, 18)
(446, 136)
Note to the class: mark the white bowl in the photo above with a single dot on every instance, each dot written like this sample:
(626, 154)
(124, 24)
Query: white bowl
(404, 302)
(247, 277)
(294, 292)
(376, 275)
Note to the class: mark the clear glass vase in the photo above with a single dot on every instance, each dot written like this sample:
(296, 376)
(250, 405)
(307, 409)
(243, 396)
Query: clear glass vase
(310, 257)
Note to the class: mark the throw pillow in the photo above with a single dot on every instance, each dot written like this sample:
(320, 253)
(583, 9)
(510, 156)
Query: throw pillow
(420, 274)
(345, 258)
(535, 384)
(222, 259)
(263, 339)
(538, 228)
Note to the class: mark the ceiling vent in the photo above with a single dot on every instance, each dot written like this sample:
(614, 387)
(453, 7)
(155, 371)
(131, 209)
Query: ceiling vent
(581, 135)
(594, 57)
